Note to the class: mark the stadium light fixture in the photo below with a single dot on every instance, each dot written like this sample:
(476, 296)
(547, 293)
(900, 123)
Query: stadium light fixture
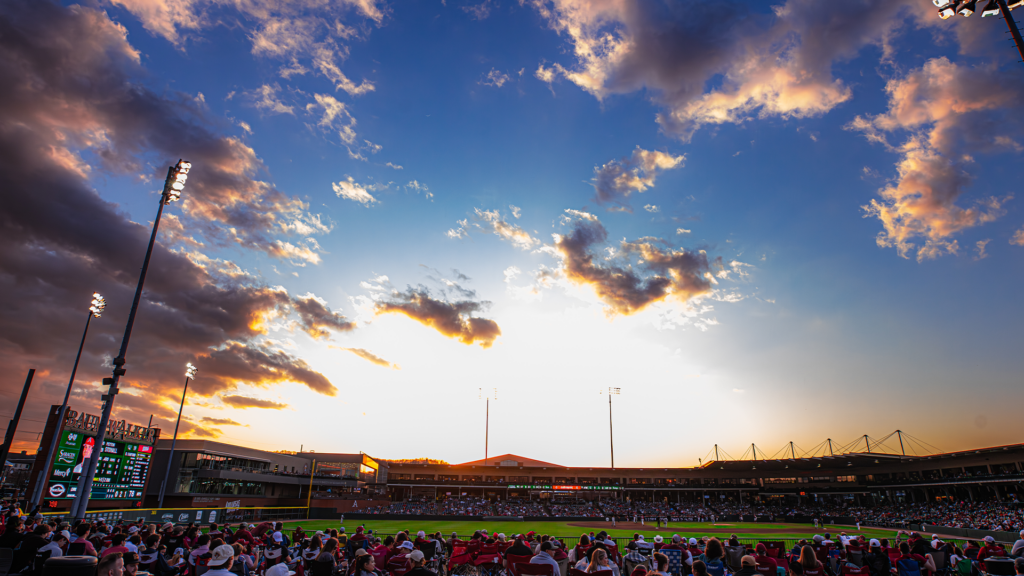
(992, 8)
(96, 308)
(173, 185)
(190, 374)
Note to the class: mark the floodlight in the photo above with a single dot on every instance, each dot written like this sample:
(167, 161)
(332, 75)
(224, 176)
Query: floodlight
(97, 305)
(968, 8)
(991, 9)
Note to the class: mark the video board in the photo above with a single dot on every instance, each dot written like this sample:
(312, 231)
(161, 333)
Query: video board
(120, 475)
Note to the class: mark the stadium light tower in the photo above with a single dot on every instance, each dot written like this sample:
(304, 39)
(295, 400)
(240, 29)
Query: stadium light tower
(487, 421)
(95, 311)
(611, 432)
(190, 374)
(173, 185)
(950, 8)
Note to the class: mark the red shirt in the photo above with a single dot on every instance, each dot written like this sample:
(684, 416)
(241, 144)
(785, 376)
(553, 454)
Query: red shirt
(114, 550)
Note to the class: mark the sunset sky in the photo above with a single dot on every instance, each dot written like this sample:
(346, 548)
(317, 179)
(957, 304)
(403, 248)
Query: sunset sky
(763, 222)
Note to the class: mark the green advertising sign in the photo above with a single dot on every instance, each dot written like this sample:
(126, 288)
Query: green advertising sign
(121, 474)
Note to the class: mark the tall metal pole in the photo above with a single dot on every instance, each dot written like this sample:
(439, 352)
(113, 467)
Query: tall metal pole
(866, 443)
(170, 457)
(309, 498)
(37, 493)
(831, 453)
(487, 430)
(1012, 25)
(611, 430)
(85, 480)
(902, 449)
(792, 450)
(716, 453)
(13, 426)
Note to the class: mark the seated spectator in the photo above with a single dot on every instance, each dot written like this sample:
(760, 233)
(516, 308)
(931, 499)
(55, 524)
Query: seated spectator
(660, 565)
(131, 563)
(809, 562)
(764, 563)
(877, 560)
(110, 565)
(57, 544)
(419, 562)
(519, 548)
(545, 556)
(748, 567)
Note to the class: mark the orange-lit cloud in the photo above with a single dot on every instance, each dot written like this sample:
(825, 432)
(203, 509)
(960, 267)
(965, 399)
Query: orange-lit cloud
(220, 421)
(491, 221)
(660, 272)
(80, 97)
(452, 319)
(616, 180)
(775, 64)
(247, 402)
(948, 113)
(370, 357)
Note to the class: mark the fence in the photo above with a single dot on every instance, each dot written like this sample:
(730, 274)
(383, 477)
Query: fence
(196, 515)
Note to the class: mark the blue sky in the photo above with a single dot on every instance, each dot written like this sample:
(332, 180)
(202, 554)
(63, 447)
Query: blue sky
(806, 328)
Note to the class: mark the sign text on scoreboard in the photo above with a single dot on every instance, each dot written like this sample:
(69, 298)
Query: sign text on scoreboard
(559, 487)
(121, 474)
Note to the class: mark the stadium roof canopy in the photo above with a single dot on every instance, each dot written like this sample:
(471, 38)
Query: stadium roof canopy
(510, 460)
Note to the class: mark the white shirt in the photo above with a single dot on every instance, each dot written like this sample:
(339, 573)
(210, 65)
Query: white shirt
(220, 572)
(53, 549)
(1017, 547)
(131, 547)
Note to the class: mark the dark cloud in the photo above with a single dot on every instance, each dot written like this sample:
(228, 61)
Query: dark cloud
(247, 402)
(716, 62)
(73, 107)
(660, 272)
(453, 319)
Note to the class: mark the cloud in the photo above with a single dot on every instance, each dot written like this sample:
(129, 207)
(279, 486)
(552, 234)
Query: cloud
(683, 231)
(494, 78)
(371, 357)
(492, 222)
(946, 114)
(615, 181)
(659, 273)
(546, 75)
(652, 208)
(304, 30)
(265, 99)
(480, 11)
(74, 110)
(221, 421)
(247, 402)
(349, 190)
(334, 117)
(393, 166)
(317, 320)
(980, 246)
(1018, 237)
(452, 319)
(418, 187)
(712, 63)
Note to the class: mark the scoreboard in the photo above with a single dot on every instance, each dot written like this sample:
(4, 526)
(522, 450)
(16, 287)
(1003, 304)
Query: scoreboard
(120, 475)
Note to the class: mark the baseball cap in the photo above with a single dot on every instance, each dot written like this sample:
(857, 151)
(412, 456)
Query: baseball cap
(221, 554)
(130, 558)
(278, 537)
(748, 561)
(133, 529)
(421, 533)
(416, 556)
(693, 541)
(677, 538)
(65, 534)
(659, 539)
(761, 548)
(874, 543)
(407, 545)
(989, 539)
(361, 552)
(167, 526)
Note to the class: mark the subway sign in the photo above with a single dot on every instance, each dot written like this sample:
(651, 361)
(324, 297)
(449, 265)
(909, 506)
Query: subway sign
(562, 487)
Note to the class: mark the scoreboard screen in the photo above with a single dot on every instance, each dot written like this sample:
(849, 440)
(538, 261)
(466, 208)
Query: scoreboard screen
(120, 475)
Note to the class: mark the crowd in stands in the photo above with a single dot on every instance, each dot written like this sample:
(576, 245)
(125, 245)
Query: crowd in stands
(520, 508)
(575, 510)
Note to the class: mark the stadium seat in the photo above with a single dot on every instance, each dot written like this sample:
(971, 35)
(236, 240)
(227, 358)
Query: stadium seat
(999, 567)
(675, 561)
(733, 554)
(855, 557)
(851, 571)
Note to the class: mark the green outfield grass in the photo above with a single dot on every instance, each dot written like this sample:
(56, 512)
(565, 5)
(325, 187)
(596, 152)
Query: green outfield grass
(688, 529)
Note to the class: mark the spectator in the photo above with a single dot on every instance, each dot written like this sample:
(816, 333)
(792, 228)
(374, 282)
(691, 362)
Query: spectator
(926, 564)
(25, 552)
(660, 565)
(131, 563)
(221, 561)
(545, 556)
(748, 567)
(57, 544)
(519, 548)
(419, 561)
(1018, 547)
(712, 552)
(14, 531)
(765, 563)
(364, 566)
(1018, 566)
(700, 568)
(110, 565)
(809, 562)
(80, 545)
(599, 561)
(877, 560)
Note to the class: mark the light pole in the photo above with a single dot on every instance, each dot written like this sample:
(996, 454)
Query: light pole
(611, 432)
(175, 183)
(95, 311)
(190, 374)
(965, 8)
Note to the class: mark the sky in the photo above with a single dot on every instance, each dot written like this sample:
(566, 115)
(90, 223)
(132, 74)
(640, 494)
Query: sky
(762, 222)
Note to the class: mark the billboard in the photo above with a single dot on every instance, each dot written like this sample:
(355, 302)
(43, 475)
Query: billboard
(120, 475)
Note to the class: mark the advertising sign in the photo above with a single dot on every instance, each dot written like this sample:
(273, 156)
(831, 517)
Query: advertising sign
(121, 474)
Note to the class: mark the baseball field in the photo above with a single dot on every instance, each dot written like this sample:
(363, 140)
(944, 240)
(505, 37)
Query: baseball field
(744, 530)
